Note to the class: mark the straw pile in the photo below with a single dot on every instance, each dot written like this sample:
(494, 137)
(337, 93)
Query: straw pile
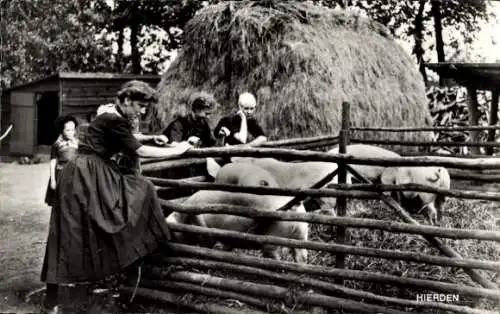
(301, 61)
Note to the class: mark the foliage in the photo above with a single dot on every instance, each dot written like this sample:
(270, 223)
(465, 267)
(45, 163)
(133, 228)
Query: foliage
(449, 107)
(143, 18)
(400, 16)
(44, 36)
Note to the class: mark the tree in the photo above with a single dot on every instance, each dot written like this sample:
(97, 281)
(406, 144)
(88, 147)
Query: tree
(410, 19)
(44, 36)
(142, 15)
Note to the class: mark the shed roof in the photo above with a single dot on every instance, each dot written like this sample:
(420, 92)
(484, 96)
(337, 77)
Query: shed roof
(86, 76)
(483, 76)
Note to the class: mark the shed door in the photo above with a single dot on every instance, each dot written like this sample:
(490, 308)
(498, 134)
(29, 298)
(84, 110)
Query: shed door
(22, 139)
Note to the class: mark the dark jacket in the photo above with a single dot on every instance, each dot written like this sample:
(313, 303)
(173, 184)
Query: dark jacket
(184, 127)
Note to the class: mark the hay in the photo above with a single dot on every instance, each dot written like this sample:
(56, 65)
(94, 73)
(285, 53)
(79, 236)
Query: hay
(301, 61)
(471, 214)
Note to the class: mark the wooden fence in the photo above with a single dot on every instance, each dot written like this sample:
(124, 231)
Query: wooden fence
(334, 295)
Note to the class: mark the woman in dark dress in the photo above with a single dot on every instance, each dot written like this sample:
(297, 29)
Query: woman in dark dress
(62, 151)
(102, 219)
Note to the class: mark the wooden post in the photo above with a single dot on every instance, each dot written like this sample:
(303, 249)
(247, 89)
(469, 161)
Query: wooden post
(475, 275)
(473, 117)
(342, 236)
(493, 118)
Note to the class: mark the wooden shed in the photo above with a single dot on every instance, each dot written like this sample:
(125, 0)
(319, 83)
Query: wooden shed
(474, 76)
(34, 106)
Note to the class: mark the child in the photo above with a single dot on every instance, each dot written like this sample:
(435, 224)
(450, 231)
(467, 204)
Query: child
(62, 151)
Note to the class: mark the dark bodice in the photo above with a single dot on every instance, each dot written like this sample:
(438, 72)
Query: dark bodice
(109, 134)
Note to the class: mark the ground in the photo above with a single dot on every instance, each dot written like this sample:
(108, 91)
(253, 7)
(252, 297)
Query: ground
(23, 231)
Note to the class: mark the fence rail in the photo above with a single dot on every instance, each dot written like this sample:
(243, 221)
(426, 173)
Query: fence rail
(428, 129)
(280, 150)
(310, 282)
(339, 248)
(200, 252)
(292, 154)
(425, 143)
(276, 292)
(360, 191)
(390, 226)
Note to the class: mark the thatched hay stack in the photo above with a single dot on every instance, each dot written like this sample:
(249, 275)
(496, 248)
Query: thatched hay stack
(301, 61)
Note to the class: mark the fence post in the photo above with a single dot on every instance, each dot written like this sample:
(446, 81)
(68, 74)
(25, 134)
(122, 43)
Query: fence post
(342, 235)
(493, 119)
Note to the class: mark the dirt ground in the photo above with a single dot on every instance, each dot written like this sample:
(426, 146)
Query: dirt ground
(24, 222)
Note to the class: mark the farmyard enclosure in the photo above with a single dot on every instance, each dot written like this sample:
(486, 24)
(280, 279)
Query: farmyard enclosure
(369, 254)
(389, 268)
(302, 63)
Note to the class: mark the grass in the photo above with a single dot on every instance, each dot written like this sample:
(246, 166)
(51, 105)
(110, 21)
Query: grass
(469, 214)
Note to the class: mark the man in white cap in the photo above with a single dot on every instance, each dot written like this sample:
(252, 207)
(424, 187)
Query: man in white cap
(242, 127)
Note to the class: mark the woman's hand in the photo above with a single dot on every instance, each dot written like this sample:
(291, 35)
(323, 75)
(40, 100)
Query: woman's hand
(52, 184)
(193, 140)
(160, 140)
(224, 131)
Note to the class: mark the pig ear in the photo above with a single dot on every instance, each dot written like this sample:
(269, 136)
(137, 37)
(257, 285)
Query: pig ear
(445, 178)
(212, 167)
(435, 176)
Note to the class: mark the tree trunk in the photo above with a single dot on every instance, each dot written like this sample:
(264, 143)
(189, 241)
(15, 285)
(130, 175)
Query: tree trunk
(438, 28)
(119, 56)
(419, 38)
(474, 115)
(134, 44)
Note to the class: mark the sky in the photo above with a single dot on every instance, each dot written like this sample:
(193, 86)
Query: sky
(488, 43)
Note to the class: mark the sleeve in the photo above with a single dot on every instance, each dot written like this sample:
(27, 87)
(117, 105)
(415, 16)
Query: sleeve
(222, 122)
(175, 131)
(209, 139)
(254, 128)
(121, 132)
(54, 151)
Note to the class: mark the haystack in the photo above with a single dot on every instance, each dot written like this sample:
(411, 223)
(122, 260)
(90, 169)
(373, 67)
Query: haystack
(301, 61)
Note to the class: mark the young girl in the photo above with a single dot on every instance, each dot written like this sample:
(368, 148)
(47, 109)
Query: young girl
(104, 220)
(62, 151)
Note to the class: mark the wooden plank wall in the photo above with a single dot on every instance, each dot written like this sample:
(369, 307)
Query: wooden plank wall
(5, 120)
(23, 136)
(82, 97)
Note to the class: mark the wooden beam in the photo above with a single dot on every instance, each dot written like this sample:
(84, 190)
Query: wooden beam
(332, 272)
(390, 226)
(473, 116)
(475, 275)
(184, 287)
(290, 298)
(341, 206)
(290, 278)
(166, 297)
(493, 118)
(334, 248)
(291, 154)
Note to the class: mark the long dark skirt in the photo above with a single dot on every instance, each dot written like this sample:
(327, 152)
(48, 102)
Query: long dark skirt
(102, 221)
